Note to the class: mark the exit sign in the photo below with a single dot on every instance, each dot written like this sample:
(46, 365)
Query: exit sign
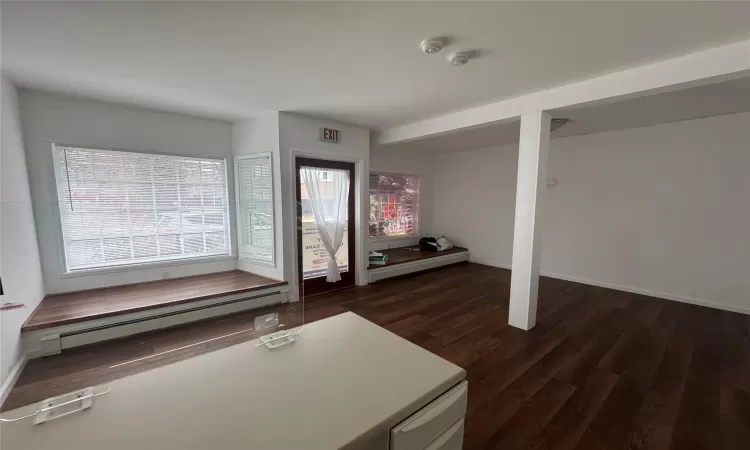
(329, 135)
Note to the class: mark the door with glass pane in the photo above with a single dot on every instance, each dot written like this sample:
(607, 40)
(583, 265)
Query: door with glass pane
(324, 203)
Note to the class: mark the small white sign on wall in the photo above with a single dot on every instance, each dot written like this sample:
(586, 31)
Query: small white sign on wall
(329, 135)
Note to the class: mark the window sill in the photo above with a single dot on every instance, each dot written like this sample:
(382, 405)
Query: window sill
(256, 262)
(144, 266)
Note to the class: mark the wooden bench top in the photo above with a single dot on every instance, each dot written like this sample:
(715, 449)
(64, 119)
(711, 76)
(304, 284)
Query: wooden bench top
(72, 307)
(401, 255)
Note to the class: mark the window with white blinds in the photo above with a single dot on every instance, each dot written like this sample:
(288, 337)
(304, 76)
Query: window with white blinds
(254, 174)
(122, 208)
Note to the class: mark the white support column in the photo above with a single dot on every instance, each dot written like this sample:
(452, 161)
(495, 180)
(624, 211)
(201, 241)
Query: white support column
(527, 243)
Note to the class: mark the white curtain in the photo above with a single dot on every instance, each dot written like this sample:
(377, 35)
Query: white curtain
(328, 200)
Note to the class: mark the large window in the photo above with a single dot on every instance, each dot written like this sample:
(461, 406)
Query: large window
(122, 208)
(255, 208)
(394, 204)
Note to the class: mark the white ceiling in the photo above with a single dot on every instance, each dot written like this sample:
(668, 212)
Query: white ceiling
(710, 100)
(358, 62)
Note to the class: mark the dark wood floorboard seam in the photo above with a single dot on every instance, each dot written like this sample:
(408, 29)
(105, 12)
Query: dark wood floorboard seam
(602, 369)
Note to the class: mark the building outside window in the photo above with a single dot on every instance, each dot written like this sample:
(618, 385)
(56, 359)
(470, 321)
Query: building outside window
(394, 205)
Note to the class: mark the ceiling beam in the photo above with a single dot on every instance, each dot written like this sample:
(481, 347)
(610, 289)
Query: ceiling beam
(705, 67)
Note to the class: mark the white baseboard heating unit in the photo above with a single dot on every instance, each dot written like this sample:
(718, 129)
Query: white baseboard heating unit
(50, 341)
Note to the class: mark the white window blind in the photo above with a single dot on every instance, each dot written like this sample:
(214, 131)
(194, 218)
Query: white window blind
(121, 208)
(255, 208)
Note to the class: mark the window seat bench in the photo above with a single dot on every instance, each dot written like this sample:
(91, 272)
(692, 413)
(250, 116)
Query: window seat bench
(78, 318)
(406, 260)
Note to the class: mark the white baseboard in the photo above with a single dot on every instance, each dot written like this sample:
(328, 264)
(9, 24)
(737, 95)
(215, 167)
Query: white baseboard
(485, 262)
(665, 296)
(387, 271)
(632, 290)
(12, 378)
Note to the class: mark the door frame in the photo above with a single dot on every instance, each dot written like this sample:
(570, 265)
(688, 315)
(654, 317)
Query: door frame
(349, 278)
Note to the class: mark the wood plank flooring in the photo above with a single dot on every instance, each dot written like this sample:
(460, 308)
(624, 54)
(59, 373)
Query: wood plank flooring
(72, 307)
(602, 369)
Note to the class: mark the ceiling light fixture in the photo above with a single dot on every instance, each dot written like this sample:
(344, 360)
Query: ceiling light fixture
(556, 124)
(459, 59)
(432, 45)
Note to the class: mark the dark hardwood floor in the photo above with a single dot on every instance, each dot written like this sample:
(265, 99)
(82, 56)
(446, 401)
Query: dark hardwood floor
(602, 369)
(72, 307)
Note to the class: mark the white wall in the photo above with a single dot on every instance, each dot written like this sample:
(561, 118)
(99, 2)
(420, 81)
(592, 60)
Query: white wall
(19, 257)
(298, 136)
(415, 163)
(257, 135)
(48, 118)
(661, 210)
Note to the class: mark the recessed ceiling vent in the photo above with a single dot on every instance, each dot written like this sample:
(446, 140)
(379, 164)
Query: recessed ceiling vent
(556, 124)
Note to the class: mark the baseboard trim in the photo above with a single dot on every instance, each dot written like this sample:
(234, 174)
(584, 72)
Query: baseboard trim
(485, 262)
(384, 272)
(632, 290)
(12, 378)
(52, 340)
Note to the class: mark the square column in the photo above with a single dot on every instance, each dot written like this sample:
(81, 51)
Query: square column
(527, 242)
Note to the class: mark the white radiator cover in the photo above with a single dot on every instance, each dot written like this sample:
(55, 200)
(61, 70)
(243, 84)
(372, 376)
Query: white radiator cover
(50, 341)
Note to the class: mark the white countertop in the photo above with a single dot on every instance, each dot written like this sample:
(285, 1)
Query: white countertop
(344, 380)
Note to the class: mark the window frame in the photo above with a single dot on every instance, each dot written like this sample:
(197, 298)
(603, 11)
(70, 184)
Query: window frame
(417, 220)
(240, 221)
(65, 272)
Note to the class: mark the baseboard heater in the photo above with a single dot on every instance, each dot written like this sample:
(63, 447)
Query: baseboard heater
(54, 342)
(397, 270)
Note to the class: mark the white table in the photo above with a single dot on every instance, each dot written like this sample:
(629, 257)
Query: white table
(345, 382)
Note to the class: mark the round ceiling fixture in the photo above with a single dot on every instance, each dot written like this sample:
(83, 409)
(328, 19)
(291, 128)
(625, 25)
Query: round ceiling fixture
(459, 59)
(432, 45)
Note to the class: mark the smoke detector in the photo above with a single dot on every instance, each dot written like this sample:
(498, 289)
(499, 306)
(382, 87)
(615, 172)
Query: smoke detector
(432, 45)
(459, 59)
(556, 124)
